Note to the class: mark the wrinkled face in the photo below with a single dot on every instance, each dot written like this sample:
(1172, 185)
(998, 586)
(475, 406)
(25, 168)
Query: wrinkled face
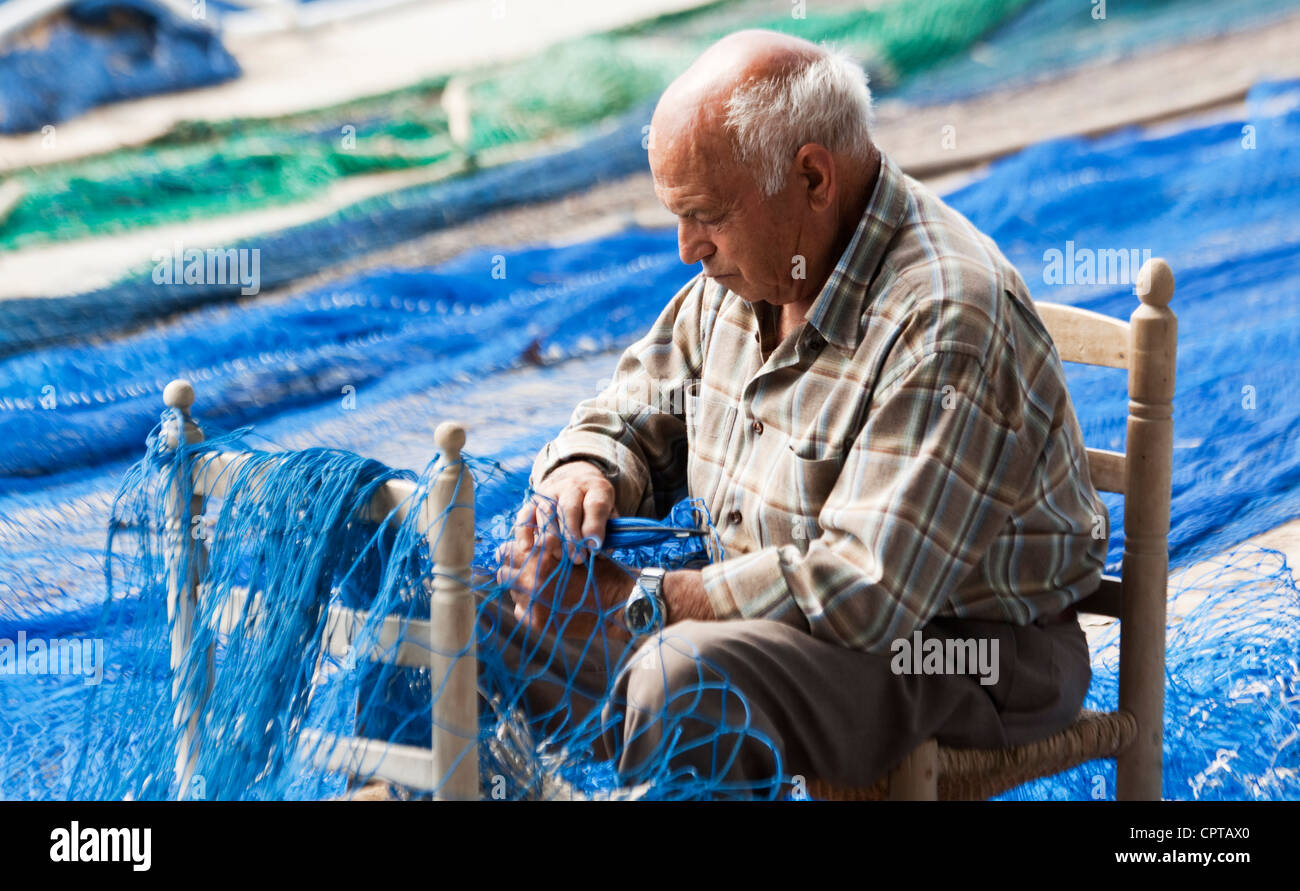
(748, 243)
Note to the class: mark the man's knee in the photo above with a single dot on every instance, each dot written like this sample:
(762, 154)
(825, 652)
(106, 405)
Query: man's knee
(679, 670)
(681, 708)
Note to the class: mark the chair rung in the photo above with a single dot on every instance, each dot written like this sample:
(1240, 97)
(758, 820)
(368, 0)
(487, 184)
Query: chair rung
(400, 641)
(1106, 600)
(1108, 470)
(215, 473)
(1081, 335)
(410, 766)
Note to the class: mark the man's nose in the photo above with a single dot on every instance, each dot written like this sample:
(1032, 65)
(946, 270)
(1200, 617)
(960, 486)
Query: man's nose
(692, 246)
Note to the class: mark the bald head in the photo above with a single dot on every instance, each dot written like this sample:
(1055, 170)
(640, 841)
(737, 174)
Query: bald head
(698, 97)
(756, 96)
(761, 149)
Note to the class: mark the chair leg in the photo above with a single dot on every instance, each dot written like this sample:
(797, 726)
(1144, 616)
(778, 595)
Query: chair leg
(1153, 342)
(917, 778)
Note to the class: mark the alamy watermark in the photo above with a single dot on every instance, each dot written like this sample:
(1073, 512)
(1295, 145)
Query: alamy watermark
(82, 657)
(1089, 266)
(632, 395)
(180, 265)
(90, 844)
(937, 655)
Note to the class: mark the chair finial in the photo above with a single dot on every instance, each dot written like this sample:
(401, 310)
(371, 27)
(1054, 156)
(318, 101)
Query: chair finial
(179, 394)
(450, 439)
(1155, 283)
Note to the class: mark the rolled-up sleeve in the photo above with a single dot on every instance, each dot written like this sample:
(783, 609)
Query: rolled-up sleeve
(933, 476)
(635, 428)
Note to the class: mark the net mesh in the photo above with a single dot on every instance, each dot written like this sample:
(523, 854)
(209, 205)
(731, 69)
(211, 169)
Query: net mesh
(576, 84)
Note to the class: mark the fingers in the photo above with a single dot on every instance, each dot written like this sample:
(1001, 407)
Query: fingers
(517, 570)
(545, 531)
(566, 516)
(518, 574)
(597, 505)
(525, 526)
(522, 614)
(507, 571)
(571, 603)
(558, 522)
(570, 510)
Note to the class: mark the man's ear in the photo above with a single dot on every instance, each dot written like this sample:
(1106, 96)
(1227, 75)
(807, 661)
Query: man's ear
(814, 168)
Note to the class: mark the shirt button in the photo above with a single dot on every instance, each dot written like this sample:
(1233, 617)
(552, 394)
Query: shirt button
(734, 518)
(758, 427)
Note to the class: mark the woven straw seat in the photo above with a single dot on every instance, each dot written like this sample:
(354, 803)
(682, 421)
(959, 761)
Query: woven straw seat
(972, 774)
(1147, 346)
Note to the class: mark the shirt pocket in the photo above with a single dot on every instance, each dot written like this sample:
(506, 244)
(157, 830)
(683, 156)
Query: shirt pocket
(710, 419)
(830, 431)
(813, 446)
(811, 481)
(799, 491)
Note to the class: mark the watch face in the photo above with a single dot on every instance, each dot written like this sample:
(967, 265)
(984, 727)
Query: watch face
(640, 613)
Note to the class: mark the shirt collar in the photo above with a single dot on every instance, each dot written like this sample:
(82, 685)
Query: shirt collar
(837, 311)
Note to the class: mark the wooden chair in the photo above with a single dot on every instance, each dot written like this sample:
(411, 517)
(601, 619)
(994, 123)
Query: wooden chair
(1146, 345)
(449, 768)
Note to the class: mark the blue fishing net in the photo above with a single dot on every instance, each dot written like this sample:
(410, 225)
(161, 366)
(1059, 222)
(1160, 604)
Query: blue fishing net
(1232, 686)
(382, 334)
(1050, 38)
(287, 543)
(287, 535)
(101, 51)
(609, 153)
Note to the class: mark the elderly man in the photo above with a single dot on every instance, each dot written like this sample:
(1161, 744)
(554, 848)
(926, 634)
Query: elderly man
(877, 420)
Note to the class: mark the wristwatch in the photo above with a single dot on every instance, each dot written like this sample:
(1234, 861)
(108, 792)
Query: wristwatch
(645, 608)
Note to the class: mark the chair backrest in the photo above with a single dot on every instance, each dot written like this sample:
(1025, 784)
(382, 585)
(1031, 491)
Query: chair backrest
(1146, 345)
(444, 644)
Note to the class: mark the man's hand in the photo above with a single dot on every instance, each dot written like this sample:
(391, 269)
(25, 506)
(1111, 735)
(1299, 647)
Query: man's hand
(575, 499)
(578, 599)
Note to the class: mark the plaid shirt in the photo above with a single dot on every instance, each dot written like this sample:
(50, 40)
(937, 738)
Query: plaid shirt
(911, 451)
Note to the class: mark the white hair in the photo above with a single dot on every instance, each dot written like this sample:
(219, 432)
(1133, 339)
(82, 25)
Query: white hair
(823, 99)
